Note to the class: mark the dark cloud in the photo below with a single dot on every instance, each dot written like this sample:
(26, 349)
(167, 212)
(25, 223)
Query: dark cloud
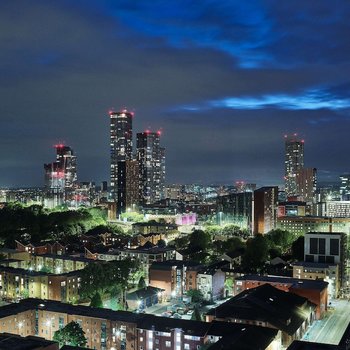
(177, 64)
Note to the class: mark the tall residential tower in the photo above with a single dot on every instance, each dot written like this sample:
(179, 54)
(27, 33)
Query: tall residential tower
(61, 177)
(151, 159)
(120, 143)
(294, 162)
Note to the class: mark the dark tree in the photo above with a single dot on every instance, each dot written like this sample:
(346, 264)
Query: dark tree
(96, 301)
(196, 316)
(71, 334)
(256, 253)
(298, 248)
(199, 241)
(161, 243)
(281, 238)
(142, 283)
(196, 295)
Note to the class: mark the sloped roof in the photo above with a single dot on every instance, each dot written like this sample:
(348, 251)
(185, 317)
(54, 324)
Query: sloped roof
(283, 310)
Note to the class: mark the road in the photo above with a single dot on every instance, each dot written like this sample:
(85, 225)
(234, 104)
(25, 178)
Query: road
(331, 329)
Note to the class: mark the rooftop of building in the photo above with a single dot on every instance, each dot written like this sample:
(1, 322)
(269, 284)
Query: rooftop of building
(169, 264)
(303, 345)
(293, 282)
(16, 342)
(284, 311)
(151, 234)
(9, 250)
(56, 306)
(265, 188)
(324, 233)
(314, 218)
(245, 338)
(70, 347)
(64, 257)
(144, 293)
(40, 244)
(292, 203)
(210, 270)
(313, 264)
(4, 261)
(154, 223)
(166, 324)
(189, 327)
(142, 249)
(28, 272)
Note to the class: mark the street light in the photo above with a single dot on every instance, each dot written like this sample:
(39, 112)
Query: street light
(20, 326)
(220, 218)
(48, 323)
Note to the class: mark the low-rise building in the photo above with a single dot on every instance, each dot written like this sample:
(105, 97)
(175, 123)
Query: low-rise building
(42, 248)
(20, 283)
(175, 277)
(319, 271)
(17, 263)
(210, 281)
(58, 263)
(144, 297)
(322, 247)
(153, 227)
(314, 290)
(8, 253)
(106, 329)
(267, 306)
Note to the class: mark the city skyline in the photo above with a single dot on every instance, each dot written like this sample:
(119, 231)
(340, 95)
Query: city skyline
(224, 81)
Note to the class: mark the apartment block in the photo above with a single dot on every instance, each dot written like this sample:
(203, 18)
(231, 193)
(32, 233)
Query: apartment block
(106, 329)
(20, 283)
(175, 277)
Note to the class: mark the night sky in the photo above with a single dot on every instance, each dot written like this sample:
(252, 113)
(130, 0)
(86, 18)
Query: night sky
(224, 80)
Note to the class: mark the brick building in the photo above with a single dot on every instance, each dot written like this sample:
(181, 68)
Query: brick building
(315, 291)
(176, 277)
(106, 329)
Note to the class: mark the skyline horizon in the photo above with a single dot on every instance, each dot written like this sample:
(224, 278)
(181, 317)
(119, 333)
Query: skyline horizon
(207, 183)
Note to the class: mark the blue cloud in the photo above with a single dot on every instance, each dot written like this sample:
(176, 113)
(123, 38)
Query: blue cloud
(239, 29)
(312, 99)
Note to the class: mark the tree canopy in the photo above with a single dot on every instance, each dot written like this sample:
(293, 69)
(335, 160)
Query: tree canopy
(196, 316)
(281, 238)
(71, 334)
(199, 241)
(108, 277)
(34, 223)
(196, 295)
(96, 300)
(142, 283)
(256, 253)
